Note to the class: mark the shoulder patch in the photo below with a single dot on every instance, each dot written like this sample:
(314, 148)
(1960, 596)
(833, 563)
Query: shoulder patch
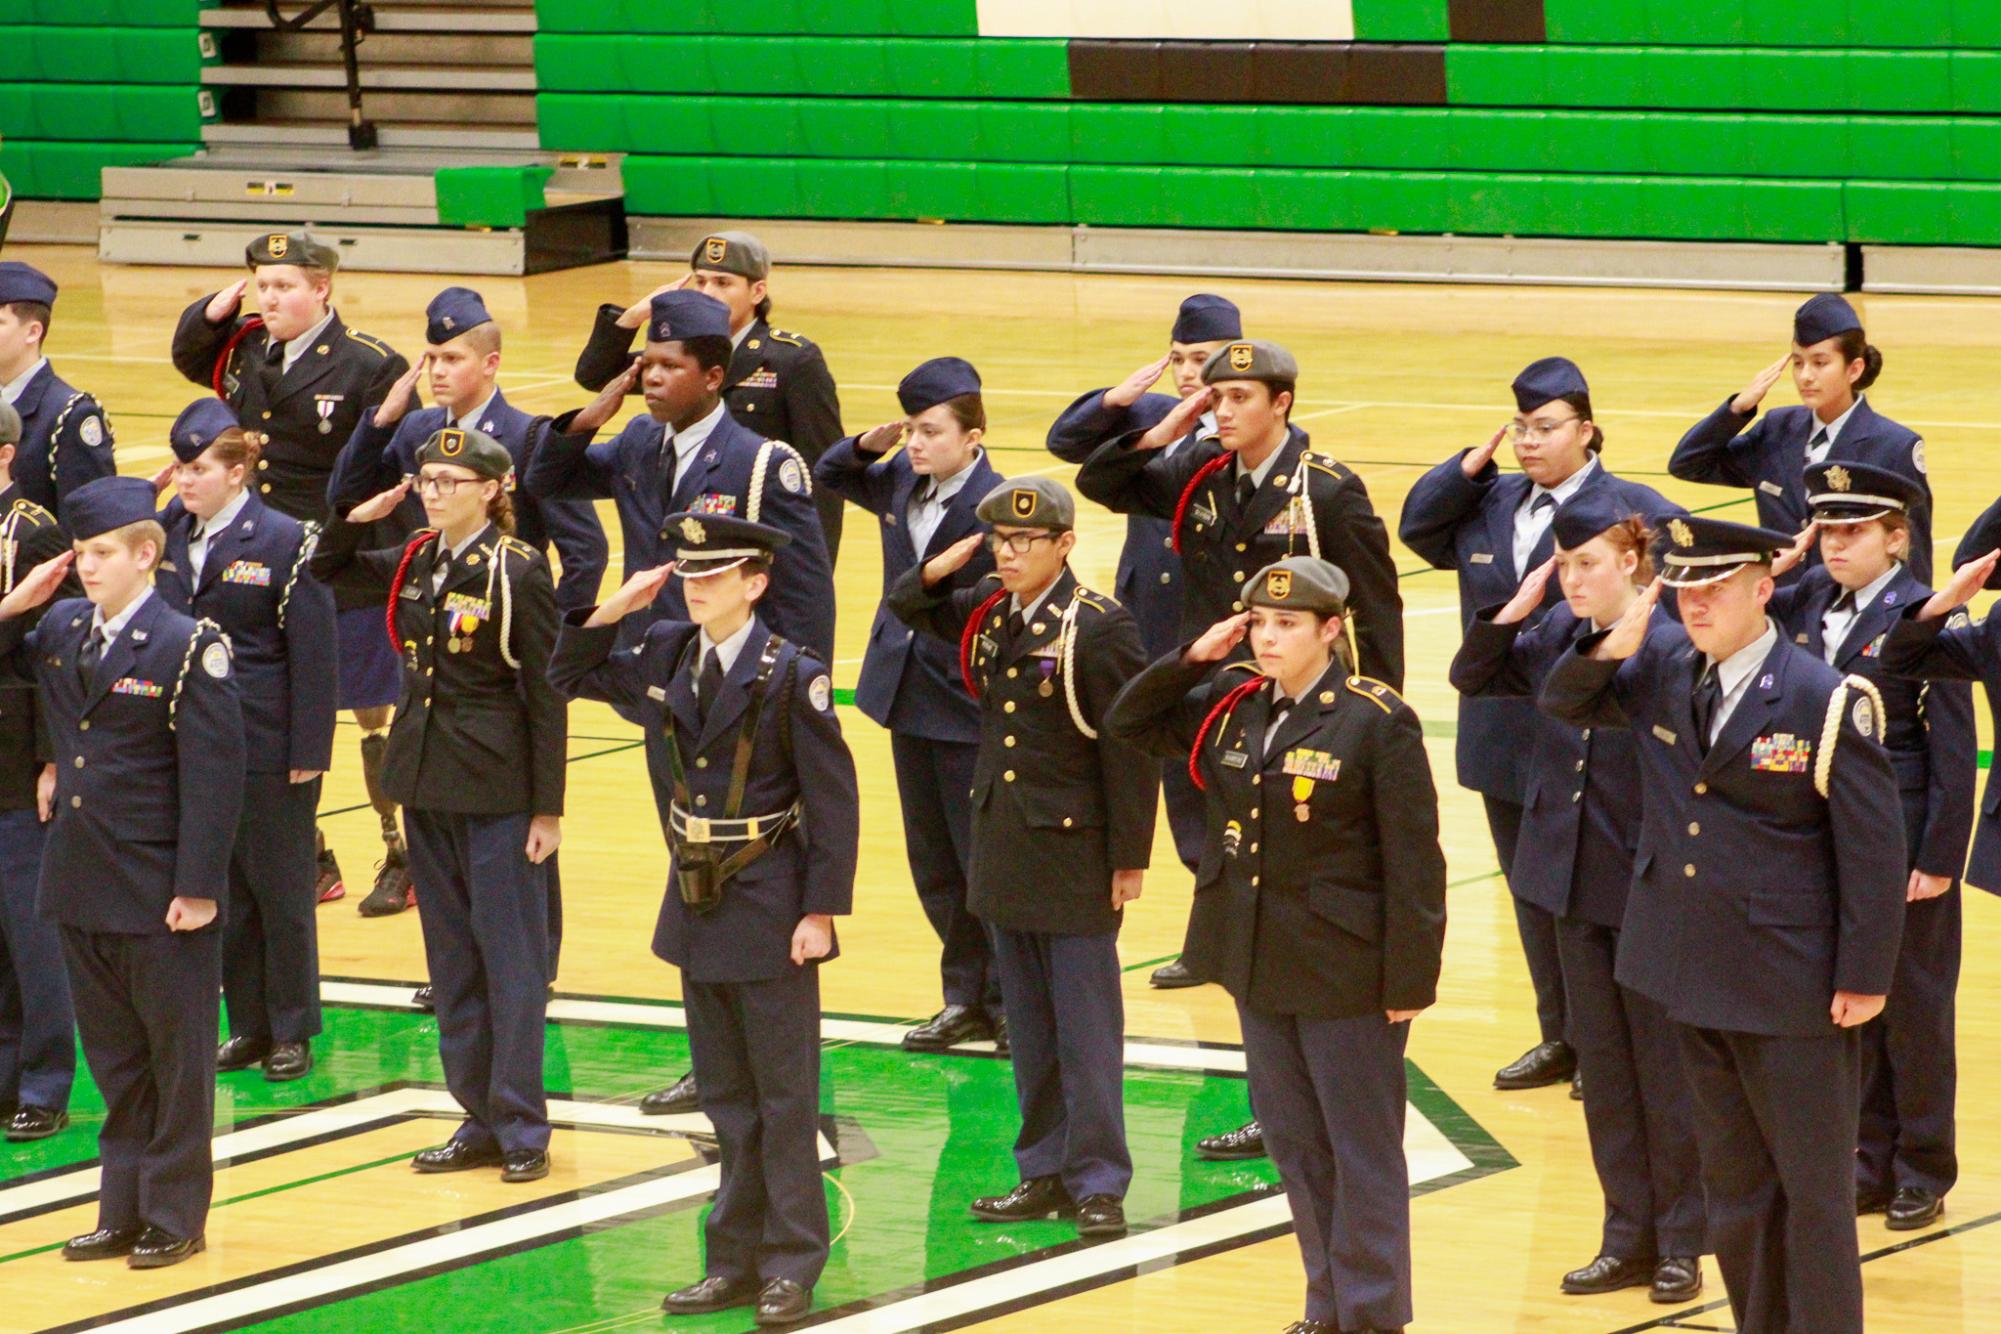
(1374, 691)
(1959, 620)
(1918, 456)
(821, 693)
(1865, 716)
(215, 660)
(91, 431)
(372, 343)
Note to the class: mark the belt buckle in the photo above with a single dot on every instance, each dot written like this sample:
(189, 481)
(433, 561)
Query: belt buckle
(697, 829)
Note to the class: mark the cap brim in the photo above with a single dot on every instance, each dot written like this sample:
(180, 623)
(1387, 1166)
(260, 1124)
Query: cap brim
(1693, 575)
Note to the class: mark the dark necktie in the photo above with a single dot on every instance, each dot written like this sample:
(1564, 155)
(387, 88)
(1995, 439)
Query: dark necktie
(1708, 698)
(1246, 488)
(1544, 501)
(441, 571)
(1818, 442)
(1279, 708)
(1845, 603)
(1015, 624)
(86, 661)
(709, 684)
(667, 458)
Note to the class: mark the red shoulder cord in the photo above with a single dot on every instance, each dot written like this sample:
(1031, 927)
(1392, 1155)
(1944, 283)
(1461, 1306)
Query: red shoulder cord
(417, 544)
(968, 635)
(1202, 474)
(1223, 707)
(221, 371)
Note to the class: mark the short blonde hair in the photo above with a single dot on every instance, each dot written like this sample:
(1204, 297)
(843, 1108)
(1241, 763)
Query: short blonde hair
(132, 535)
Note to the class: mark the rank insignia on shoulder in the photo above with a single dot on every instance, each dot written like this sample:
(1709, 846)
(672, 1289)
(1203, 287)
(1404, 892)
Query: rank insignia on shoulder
(1781, 753)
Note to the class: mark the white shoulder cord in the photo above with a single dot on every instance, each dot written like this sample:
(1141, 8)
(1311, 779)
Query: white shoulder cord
(188, 661)
(1830, 731)
(307, 545)
(1301, 505)
(495, 572)
(756, 502)
(1069, 651)
(8, 527)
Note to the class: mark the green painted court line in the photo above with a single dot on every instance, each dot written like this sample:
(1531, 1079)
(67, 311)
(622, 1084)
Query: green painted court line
(1471, 879)
(1150, 963)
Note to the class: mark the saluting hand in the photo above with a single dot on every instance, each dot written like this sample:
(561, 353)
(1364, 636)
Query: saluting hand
(186, 914)
(1180, 421)
(1967, 580)
(952, 559)
(224, 304)
(38, 587)
(1215, 643)
(813, 938)
(1528, 597)
(1852, 1008)
(636, 592)
(883, 438)
(1126, 886)
(600, 409)
(545, 835)
(1475, 460)
(1761, 384)
(165, 477)
(402, 395)
(1127, 391)
(1796, 553)
(636, 314)
(1623, 640)
(381, 505)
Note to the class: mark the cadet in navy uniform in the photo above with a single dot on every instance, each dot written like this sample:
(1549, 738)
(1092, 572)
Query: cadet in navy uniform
(476, 759)
(65, 436)
(37, 1022)
(758, 801)
(1832, 362)
(1320, 907)
(778, 385)
(688, 453)
(1256, 494)
(924, 498)
(1062, 832)
(232, 560)
(1767, 901)
(141, 710)
(1149, 580)
(300, 378)
(1464, 515)
(1983, 867)
(1579, 829)
(1845, 609)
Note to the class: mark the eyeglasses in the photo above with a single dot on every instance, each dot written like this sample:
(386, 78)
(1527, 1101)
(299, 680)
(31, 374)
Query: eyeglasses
(1541, 430)
(1018, 543)
(443, 486)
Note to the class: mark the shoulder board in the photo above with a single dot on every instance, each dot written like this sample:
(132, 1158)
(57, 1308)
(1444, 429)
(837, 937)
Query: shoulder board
(1326, 465)
(1250, 667)
(33, 513)
(788, 338)
(1096, 601)
(1374, 691)
(514, 546)
(371, 342)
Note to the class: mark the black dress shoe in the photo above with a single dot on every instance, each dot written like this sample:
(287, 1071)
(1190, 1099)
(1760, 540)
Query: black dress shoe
(33, 1122)
(1677, 1279)
(714, 1293)
(424, 999)
(524, 1165)
(1312, 1327)
(783, 1302)
(1247, 1141)
(1577, 1087)
(107, 1243)
(241, 1053)
(1608, 1273)
(1913, 1207)
(1043, 1197)
(1870, 1200)
(680, 1096)
(948, 1028)
(156, 1249)
(1544, 1064)
(1001, 1045)
(1101, 1216)
(288, 1061)
(457, 1155)
(1173, 977)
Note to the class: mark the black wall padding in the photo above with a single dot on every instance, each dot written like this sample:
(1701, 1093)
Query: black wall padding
(1115, 71)
(1496, 20)
(1206, 71)
(1266, 73)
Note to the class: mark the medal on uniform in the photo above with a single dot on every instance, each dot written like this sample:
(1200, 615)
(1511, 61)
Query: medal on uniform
(1302, 793)
(1047, 687)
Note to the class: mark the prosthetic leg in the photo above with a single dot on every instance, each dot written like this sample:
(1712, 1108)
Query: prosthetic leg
(393, 891)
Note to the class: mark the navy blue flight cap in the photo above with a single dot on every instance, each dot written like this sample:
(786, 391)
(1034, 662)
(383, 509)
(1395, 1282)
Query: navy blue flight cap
(451, 313)
(1843, 491)
(1546, 381)
(20, 282)
(938, 380)
(711, 543)
(107, 504)
(1823, 317)
(1207, 318)
(198, 426)
(1695, 550)
(1587, 514)
(684, 314)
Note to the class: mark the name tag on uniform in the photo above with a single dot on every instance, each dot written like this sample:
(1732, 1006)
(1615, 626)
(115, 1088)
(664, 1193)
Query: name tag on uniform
(1481, 558)
(1202, 513)
(656, 693)
(247, 572)
(1771, 488)
(762, 378)
(132, 685)
(413, 593)
(1235, 759)
(1781, 753)
(1664, 734)
(988, 648)
(1312, 764)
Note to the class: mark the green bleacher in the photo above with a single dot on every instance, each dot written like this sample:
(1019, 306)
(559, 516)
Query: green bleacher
(86, 84)
(1852, 120)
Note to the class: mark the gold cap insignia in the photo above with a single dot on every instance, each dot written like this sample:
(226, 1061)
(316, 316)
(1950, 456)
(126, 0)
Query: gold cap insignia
(277, 244)
(451, 443)
(1241, 356)
(714, 249)
(1680, 532)
(692, 531)
(1838, 478)
(1023, 502)
(1278, 584)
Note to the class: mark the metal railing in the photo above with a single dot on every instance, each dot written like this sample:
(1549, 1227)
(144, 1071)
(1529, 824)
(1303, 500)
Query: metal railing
(357, 21)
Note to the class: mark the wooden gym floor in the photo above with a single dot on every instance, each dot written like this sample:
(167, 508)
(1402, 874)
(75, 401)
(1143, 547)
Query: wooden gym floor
(1395, 378)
